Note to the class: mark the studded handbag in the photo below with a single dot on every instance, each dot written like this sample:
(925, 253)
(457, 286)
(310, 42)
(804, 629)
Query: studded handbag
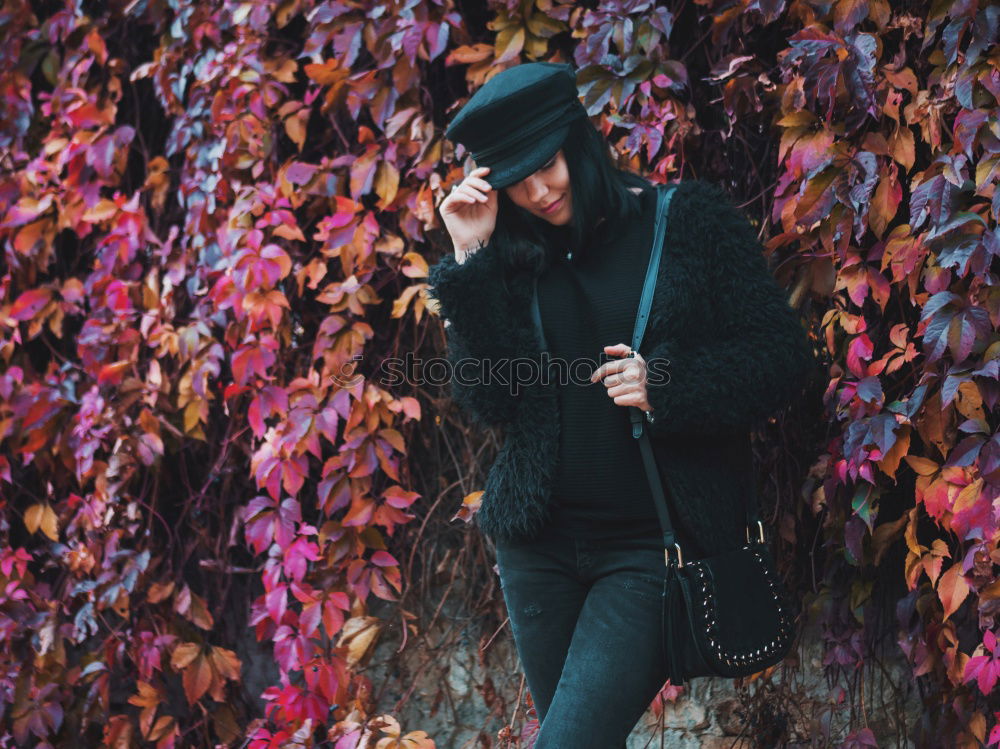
(724, 615)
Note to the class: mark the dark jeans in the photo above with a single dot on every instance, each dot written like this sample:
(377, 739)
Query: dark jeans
(585, 615)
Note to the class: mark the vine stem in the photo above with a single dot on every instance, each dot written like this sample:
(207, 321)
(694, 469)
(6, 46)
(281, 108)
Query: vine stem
(517, 705)
(493, 636)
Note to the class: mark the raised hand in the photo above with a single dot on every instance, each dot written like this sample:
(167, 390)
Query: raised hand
(470, 213)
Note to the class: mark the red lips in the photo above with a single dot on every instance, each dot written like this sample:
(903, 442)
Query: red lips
(552, 206)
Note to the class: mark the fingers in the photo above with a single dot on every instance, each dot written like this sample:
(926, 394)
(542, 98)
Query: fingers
(468, 194)
(474, 186)
(632, 376)
(619, 365)
(619, 349)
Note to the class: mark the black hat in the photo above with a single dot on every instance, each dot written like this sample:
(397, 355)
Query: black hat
(518, 119)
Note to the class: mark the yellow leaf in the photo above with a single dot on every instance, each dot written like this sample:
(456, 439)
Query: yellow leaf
(414, 265)
(289, 231)
(470, 506)
(164, 725)
(418, 740)
(226, 663)
(902, 147)
(386, 182)
(890, 461)
(401, 303)
(104, 210)
(199, 613)
(285, 72)
(42, 516)
(159, 591)
(921, 466)
(968, 496)
(295, 127)
(33, 517)
(911, 533)
(358, 635)
(977, 726)
(149, 696)
(191, 412)
(970, 401)
(389, 244)
(509, 43)
(952, 589)
(388, 724)
(183, 655)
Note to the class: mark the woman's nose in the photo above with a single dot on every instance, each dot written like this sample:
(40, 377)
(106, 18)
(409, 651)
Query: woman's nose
(536, 189)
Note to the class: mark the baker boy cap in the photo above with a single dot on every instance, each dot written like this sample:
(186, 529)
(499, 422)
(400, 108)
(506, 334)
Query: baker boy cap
(518, 119)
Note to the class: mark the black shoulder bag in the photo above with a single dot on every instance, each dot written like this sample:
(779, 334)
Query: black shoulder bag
(726, 615)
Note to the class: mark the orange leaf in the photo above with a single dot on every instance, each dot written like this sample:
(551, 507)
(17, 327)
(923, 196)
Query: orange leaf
(197, 679)
(890, 461)
(468, 54)
(165, 726)
(159, 591)
(226, 663)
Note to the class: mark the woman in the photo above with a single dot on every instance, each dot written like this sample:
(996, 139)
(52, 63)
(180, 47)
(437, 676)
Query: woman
(567, 501)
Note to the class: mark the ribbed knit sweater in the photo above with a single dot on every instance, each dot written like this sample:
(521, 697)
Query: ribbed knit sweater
(589, 301)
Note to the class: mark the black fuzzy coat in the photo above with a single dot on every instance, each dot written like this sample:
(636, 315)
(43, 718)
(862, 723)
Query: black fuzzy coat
(735, 353)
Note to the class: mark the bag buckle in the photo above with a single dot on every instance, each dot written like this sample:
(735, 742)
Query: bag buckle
(666, 555)
(760, 527)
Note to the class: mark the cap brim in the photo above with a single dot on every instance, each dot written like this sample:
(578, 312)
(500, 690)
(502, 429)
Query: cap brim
(518, 165)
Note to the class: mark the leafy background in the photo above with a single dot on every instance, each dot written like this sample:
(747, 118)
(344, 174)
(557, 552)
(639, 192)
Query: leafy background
(211, 211)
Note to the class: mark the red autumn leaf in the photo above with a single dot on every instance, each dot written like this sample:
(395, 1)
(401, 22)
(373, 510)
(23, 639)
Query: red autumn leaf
(297, 555)
(30, 303)
(248, 361)
(383, 559)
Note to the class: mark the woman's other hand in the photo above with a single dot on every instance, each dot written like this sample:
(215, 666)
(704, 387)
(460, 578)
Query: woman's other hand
(625, 379)
(470, 213)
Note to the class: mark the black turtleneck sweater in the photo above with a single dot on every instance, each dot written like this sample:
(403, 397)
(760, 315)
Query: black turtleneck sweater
(588, 300)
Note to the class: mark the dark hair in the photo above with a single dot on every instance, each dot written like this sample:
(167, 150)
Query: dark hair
(600, 190)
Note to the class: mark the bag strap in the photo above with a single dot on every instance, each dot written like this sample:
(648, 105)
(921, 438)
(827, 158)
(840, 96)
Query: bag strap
(536, 315)
(638, 417)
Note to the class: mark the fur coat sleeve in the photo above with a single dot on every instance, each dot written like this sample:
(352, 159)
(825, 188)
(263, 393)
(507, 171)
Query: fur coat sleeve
(752, 355)
(480, 337)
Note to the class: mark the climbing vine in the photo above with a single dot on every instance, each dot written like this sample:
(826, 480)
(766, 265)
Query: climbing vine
(217, 219)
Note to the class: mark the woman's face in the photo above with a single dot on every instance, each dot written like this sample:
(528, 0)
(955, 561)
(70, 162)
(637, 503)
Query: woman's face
(547, 187)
